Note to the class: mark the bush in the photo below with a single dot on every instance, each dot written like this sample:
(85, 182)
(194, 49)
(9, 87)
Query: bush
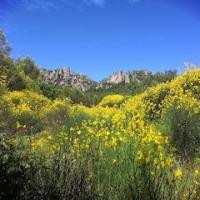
(26, 174)
(17, 82)
(182, 118)
(154, 100)
(49, 90)
(189, 82)
(21, 112)
(112, 100)
(62, 179)
(12, 170)
(57, 114)
(29, 68)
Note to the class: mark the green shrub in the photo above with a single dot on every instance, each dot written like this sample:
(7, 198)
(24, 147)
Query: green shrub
(182, 118)
(49, 90)
(26, 175)
(13, 169)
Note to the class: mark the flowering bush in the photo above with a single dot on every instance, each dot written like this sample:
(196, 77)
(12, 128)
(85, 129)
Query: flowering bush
(28, 112)
(112, 100)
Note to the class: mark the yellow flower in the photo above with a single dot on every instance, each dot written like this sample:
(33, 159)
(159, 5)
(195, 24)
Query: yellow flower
(196, 172)
(173, 149)
(114, 161)
(71, 129)
(19, 125)
(50, 137)
(140, 155)
(169, 162)
(178, 173)
(79, 132)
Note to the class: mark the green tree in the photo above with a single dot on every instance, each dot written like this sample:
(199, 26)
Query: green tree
(49, 90)
(16, 82)
(29, 67)
(74, 94)
(6, 63)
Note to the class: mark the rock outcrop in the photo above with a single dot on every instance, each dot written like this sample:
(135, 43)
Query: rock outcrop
(126, 77)
(64, 77)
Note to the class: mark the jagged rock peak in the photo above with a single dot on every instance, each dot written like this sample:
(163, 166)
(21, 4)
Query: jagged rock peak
(126, 77)
(118, 77)
(66, 78)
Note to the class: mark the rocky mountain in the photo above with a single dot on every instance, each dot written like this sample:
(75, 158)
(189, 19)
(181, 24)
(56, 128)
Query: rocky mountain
(126, 77)
(123, 77)
(66, 78)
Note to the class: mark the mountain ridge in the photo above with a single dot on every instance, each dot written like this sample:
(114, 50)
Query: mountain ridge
(65, 77)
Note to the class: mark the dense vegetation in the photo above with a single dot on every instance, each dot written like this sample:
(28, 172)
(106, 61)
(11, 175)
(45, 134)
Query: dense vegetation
(135, 144)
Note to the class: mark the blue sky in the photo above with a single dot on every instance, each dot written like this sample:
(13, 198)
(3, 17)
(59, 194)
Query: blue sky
(98, 37)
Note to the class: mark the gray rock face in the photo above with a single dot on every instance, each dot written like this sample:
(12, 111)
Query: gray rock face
(126, 77)
(118, 77)
(64, 77)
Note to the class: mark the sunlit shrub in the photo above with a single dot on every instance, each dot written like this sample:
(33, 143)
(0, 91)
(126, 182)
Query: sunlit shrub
(154, 99)
(57, 114)
(21, 111)
(112, 100)
(189, 82)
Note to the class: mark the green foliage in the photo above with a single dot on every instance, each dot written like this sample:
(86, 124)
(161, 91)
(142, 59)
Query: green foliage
(25, 175)
(182, 118)
(49, 90)
(13, 77)
(6, 69)
(29, 68)
(62, 180)
(74, 94)
(3, 89)
(16, 82)
(12, 169)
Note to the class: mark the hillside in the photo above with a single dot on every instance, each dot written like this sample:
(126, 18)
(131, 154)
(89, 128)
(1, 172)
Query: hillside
(123, 148)
(136, 135)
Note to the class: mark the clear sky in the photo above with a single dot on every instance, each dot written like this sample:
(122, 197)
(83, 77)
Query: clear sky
(98, 37)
